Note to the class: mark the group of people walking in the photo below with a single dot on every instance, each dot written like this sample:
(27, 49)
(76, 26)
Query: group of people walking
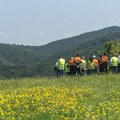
(80, 66)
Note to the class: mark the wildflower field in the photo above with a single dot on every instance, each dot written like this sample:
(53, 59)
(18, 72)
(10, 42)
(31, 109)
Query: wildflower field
(67, 98)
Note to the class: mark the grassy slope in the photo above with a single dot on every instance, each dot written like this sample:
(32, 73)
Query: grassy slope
(96, 90)
(97, 82)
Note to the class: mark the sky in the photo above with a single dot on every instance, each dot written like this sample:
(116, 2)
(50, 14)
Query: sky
(38, 22)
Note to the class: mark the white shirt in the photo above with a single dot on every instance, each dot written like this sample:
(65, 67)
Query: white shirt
(119, 58)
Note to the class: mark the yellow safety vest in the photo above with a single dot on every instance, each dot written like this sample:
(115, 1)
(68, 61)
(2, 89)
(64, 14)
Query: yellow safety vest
(91, 65)
(67, 68)
(114, 61)
(83, 64)
(56, 65)
(61, 64)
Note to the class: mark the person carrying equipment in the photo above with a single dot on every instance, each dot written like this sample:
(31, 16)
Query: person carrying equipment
(77, 61)
(96, 64)
(61, 66)
(90, 66)
(104, 60)
(67, 68)
(56, 68)
(72, 66)
(83, 66)
(114, 64)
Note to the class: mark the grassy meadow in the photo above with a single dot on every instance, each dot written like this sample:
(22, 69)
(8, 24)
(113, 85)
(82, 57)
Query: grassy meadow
(68, 98)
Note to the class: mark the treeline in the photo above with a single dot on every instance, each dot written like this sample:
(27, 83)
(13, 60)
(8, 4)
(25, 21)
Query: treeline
(28, 61)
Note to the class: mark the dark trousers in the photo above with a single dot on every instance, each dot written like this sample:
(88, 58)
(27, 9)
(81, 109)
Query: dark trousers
(83, 72)
(96, 70)
(104, 67)
(119, 68)
(72, 70)
(57, 73)
(100, 68)
(67, 73)
(60, 72)
(77, 70)
(90, 71)
(114, 69)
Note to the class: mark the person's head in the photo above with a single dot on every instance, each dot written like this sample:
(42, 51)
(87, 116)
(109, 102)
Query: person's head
(77, 55)
(90, 58)
(104, 54)
(60, 57)
(114, 55)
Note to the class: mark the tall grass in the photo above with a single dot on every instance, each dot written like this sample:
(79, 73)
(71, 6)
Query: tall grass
(80, 98)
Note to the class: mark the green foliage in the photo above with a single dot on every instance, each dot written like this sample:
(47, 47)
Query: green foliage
(112, 47)
(27, 61)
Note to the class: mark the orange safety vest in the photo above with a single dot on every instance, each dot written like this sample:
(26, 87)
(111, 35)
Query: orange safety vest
(96, 63)
(104, 59)
(71, 62)
(77, 60)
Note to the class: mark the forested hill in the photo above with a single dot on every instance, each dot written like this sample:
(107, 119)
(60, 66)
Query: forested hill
(19, 60)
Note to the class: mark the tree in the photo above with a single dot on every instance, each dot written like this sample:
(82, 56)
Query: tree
(112, 47)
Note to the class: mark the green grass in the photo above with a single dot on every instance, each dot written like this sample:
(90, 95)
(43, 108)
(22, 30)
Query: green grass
(97, 82)
(92, 98)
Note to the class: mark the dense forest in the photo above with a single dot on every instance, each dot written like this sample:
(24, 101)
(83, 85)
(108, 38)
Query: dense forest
(27, 61)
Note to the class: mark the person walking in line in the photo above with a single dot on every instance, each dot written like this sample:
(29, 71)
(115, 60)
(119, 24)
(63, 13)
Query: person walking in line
(72, 66)
(56, 68)
(83, 66)
(77, 61)
(104, 60)
(90, 66)
(119, 63)
(114, 64)
(100, 64)
(67, 68)
(96, 64)
(61, 66)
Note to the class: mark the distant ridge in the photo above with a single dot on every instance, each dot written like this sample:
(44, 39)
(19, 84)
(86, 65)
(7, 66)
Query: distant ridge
(108, 30)
(34, 60)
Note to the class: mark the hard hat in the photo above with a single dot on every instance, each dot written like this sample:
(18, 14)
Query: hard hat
(83, 57)
(94, 56)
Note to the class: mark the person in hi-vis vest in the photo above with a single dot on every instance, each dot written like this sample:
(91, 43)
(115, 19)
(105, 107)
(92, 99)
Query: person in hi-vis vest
(61, 66)
(119, 63)
(114, 64)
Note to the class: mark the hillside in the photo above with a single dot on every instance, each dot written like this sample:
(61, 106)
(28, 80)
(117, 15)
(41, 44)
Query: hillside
(34, 60)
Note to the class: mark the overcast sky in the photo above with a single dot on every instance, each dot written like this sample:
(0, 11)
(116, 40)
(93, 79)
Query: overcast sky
(38, 22)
